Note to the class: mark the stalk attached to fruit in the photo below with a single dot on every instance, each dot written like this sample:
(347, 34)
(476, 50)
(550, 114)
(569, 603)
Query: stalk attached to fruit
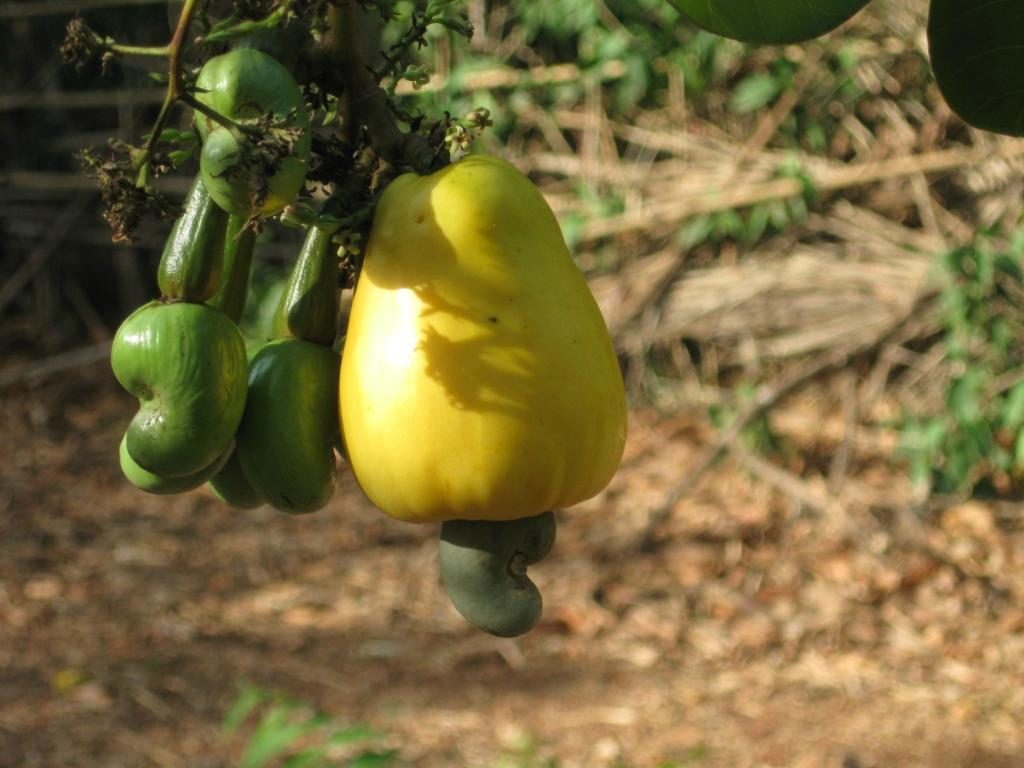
(230, 483)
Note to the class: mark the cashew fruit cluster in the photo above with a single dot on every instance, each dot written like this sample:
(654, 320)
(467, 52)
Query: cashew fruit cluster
(260, 429)
(476, 384)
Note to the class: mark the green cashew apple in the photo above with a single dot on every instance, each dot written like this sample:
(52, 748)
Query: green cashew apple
(190, 266)
(231, 486)
(252, 90)
(150, 483)
(286, 439)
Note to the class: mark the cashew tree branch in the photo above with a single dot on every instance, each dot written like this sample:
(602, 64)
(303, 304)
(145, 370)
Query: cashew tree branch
(174, 90)
(368, 104)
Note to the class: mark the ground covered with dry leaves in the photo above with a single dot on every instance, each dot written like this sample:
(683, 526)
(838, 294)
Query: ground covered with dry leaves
(745, 629)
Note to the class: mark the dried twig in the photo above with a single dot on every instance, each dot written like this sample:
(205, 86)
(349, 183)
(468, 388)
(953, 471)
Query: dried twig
(701, 200)
(841, 459)
(764, 397)
(817, 498)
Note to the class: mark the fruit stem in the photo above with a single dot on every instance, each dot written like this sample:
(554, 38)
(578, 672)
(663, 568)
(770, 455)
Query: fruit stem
(174, 89)
(237, 129)
(138, 50)
(239, 245)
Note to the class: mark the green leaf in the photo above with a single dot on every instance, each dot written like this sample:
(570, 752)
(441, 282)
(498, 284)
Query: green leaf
(757, 223)
(982, 442)
(978, 59)
(934, 435)
(963, 398)
(792, 168)
(331, 113)
(229, 31)
(573, 226)
(778, 214)
(729, 223)
(307, 758)
(173, 135)
(224, 24)
(248, 699)
(351, 735)
(797, 208)
(815, 137)
(695, 231)
(920, 469)
(755, 92)
(1013, 407)
(273, 736)
(720, 416)
(769, 21)
(1018, 450)
(1008, 264)
(180, 156)
(957, 468)
(374, 759)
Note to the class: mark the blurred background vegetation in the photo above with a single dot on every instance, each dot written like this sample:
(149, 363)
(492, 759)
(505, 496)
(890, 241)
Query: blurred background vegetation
(737, 208)
(802, 255)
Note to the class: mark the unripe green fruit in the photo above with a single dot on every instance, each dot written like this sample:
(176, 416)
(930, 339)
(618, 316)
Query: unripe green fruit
(190, 267)
(231, 486)
(150, 483)
(285, 443)
(239, 247)
(247, 86)
(186, 364)
(234, 186)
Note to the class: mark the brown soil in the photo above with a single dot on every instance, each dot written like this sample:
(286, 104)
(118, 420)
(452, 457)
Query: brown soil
(754, 633)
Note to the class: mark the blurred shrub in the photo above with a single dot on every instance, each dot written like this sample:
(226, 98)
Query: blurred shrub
(643, 56)
(283, 732)
(973, 439)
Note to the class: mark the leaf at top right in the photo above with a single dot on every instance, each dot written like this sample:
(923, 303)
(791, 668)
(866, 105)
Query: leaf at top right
(769, 21)
(977, 54)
